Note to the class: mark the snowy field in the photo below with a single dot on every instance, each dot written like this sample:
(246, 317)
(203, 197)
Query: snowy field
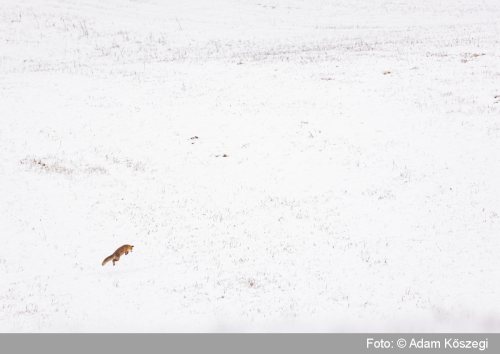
(301, 165)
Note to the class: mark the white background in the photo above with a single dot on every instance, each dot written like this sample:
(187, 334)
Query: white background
(360, 191)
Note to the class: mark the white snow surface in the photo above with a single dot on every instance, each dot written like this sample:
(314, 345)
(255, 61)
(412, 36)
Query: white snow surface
(345, 176)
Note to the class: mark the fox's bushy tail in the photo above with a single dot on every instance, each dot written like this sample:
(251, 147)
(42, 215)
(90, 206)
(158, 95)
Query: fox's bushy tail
(107, 259)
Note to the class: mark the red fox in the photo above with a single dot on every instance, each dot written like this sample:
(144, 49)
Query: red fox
(115, 257)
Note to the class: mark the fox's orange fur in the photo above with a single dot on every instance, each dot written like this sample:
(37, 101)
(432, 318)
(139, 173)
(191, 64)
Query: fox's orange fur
(115, 257)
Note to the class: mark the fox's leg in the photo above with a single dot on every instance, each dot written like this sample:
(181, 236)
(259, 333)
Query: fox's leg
(126, 253)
